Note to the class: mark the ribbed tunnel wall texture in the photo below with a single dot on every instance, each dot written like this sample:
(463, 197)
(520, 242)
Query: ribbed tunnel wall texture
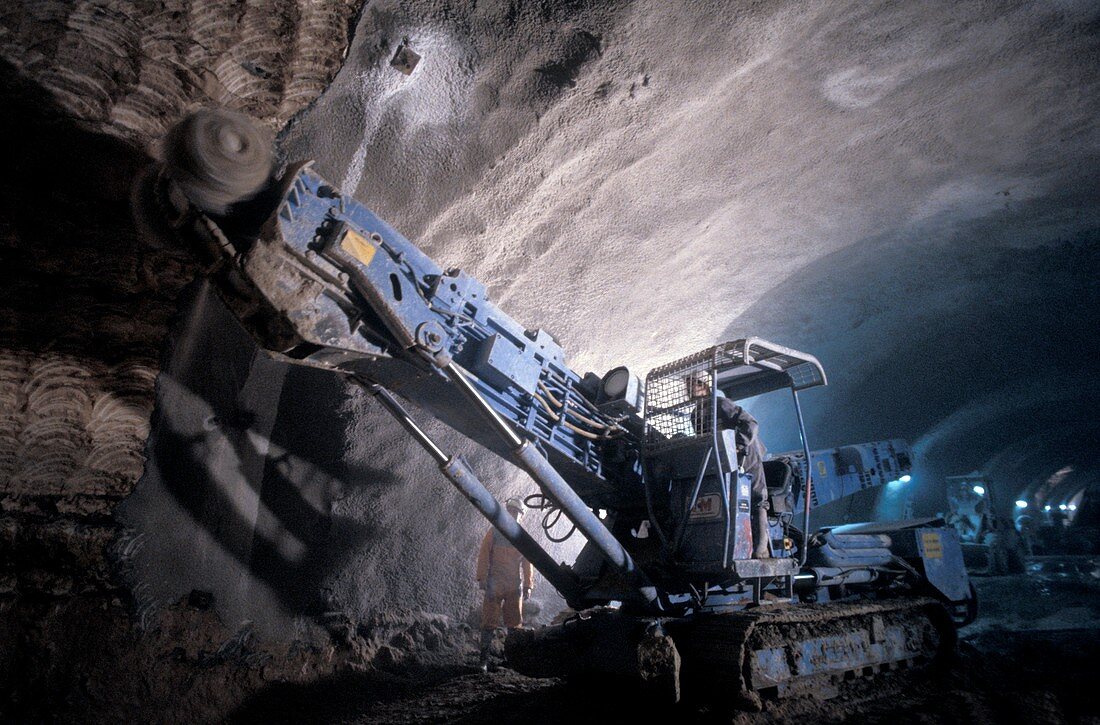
(85, 310)
(907, 190)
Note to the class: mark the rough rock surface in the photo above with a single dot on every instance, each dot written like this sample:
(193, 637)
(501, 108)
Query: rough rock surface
(130, 69)
(84, 659)
(85, 304)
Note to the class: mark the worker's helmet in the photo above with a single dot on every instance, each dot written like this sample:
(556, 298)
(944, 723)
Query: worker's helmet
(515, 503)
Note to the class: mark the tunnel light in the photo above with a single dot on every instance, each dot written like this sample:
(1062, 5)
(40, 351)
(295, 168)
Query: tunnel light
(1047, 507)
(1021, 504)
(621, 392)
(1072, 507)
(1062, 507)
(980, 490)
(906, 478)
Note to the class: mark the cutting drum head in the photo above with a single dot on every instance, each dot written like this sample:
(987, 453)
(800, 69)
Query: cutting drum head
(218, 158)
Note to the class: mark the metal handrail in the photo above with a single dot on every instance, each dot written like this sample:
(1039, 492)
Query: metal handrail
(809, 478)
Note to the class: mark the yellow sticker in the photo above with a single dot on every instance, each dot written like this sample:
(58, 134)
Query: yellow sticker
(358, 247)
(933, 547)
(821, 470)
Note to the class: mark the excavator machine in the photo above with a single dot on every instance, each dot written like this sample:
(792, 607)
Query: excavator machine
(664, 592)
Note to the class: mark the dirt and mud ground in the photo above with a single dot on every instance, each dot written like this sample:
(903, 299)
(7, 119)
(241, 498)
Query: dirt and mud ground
(1031, 657)
(999, 677)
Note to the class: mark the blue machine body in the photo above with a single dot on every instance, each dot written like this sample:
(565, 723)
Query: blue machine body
(931, 543)
(703, 541)
(410, 300)
(846, 470)
(647, 473)
(338, 288)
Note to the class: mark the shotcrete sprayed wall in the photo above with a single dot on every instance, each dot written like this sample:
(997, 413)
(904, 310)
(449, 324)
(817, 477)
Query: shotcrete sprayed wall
(908, 191)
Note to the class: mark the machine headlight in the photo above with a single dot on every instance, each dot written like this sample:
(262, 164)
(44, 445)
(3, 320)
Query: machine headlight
(615, 383)
(621, 392)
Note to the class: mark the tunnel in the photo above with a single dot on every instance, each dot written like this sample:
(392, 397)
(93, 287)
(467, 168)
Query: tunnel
(195, 529)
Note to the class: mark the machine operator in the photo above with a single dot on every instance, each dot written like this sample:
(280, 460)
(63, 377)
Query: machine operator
(750, 451)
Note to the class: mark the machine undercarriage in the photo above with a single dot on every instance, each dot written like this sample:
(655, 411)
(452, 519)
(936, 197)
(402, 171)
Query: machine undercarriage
(741, 658)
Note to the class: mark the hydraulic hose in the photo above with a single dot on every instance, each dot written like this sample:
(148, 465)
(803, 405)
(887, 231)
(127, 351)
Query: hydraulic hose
(554, 486)
(459, 473)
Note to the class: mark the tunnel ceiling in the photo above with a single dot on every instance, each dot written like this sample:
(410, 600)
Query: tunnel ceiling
(912, 193)
(909, 192)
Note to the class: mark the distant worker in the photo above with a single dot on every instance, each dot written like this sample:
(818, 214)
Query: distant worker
(506, 578)
(750, 451)
(1006, 550)
(1025, 524)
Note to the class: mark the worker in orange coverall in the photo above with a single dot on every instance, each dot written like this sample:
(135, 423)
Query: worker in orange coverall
(506, 578)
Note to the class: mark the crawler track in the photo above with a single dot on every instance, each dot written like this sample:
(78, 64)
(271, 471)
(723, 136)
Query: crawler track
(741, 658)
(786, 650)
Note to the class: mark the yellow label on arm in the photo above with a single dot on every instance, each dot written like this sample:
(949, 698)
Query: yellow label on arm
(358, 247)
(933, 547)
(821, 469)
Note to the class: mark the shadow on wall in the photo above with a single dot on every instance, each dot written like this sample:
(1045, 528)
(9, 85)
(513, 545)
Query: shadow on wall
(920, 337)
(237, 494)
(265, 490)
(74, 275)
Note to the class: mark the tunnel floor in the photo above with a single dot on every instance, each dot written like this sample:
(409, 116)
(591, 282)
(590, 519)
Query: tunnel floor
(1001, 676)
(1031, 657)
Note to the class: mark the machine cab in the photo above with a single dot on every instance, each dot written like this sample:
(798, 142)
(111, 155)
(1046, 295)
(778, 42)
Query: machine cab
(699, 498)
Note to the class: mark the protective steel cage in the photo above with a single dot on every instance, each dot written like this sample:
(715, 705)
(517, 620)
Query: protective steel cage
(679, 395)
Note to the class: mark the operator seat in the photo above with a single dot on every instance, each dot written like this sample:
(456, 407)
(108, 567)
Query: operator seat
(779, 477)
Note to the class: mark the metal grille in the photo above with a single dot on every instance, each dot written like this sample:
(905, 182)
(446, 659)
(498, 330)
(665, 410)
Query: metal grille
(673, 415)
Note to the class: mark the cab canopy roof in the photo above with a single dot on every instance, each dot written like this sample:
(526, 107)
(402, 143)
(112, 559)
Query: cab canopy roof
(747, 367)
